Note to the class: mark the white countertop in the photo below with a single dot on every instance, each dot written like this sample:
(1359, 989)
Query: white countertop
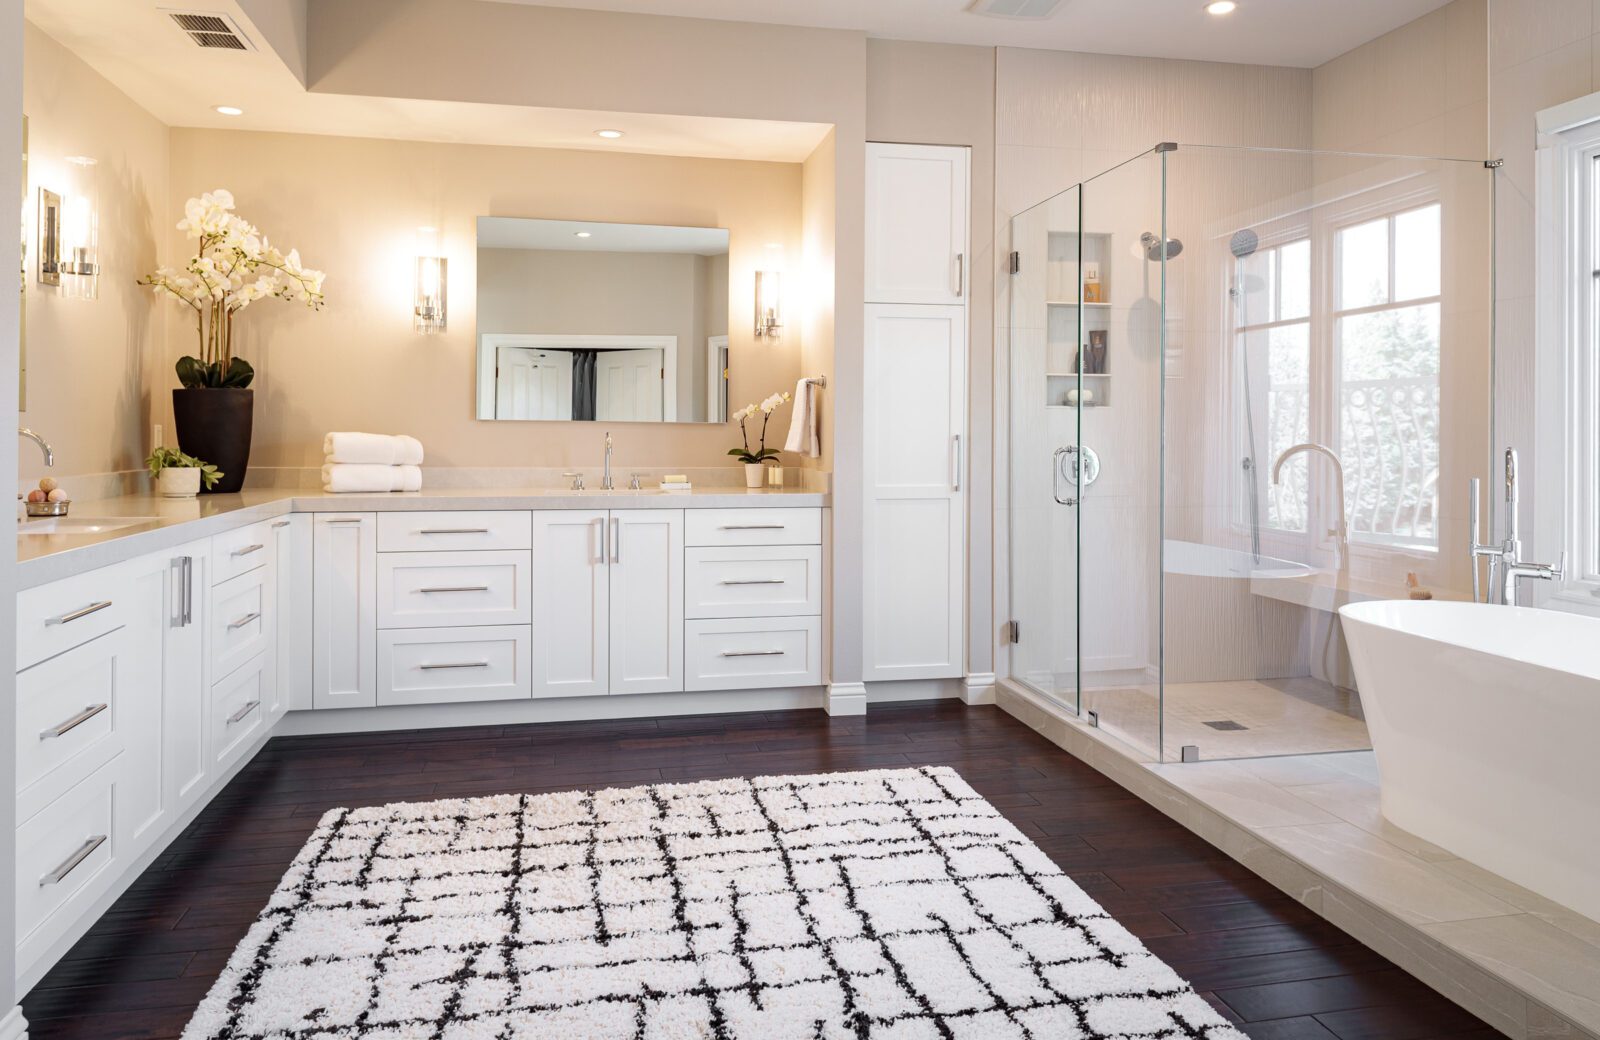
(43, 558)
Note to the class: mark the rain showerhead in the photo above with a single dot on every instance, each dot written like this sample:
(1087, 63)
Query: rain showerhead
(1153, 250)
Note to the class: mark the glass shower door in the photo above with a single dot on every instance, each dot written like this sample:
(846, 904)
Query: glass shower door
(1046, 388)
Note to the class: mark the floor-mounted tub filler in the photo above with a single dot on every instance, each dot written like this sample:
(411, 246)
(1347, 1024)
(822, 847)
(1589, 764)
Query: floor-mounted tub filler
(1483, 720)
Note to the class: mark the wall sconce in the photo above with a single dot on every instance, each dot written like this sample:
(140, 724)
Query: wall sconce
(69, 233)
(769, 304)
(428, 312)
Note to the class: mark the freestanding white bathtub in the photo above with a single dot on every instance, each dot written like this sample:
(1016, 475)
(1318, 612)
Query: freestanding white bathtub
(1485, 720)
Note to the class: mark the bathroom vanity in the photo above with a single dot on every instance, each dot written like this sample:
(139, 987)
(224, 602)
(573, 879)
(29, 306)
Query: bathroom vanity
(156, 653)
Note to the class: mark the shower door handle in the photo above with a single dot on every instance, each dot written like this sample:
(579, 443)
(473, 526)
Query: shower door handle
(1085, 470)
(1055, 475)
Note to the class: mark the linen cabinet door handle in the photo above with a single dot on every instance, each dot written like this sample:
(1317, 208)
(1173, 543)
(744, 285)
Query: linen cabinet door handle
(81, 612)
(955, 463)
(68, 865)
(243, 711)
(63, 728)
(961, 272)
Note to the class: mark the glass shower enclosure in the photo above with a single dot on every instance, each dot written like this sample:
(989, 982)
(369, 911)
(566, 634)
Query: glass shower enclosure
(1246, 387)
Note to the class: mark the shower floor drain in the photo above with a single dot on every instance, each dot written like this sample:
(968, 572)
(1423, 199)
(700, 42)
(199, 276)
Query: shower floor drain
(1226, 725)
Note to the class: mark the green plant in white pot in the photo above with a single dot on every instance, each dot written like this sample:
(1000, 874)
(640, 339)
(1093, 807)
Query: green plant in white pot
(754, 461)
(178, 475)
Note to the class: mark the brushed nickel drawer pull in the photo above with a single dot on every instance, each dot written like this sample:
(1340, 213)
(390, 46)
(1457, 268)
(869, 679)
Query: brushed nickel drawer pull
(751, 527)
(82, 612)
(343, 520)
(752, 581)
(454, 530)
(752, 653)
(246, 550)
(242, 712)
(68, 865)
(464, 664)
(457, 588)
(252, 616)
(73, 723)
(280, 523)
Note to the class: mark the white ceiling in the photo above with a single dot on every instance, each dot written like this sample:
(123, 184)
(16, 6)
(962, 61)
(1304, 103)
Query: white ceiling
(521, 233)
(140, 50)
(1303, 33)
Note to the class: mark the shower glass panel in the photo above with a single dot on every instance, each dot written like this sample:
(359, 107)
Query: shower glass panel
(1246, 387)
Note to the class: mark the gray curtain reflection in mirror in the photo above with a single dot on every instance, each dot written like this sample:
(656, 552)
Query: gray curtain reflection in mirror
(583, 384)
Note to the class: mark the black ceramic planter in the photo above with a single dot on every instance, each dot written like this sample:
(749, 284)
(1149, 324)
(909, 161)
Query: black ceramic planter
(214, 426)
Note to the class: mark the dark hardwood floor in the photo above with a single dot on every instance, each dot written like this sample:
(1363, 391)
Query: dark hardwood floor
(1262, 959)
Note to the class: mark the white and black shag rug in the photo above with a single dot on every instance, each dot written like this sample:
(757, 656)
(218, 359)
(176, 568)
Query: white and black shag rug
(887, 904)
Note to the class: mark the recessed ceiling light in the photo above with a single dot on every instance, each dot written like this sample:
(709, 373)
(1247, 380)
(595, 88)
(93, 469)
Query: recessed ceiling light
(229, 110)
(580, 234)
(1220, 7)
(609, 135)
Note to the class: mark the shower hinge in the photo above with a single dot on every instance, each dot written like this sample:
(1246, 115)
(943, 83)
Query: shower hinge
(1014, 265)
(1493, 164)
(1013, 632)
(1167, 146)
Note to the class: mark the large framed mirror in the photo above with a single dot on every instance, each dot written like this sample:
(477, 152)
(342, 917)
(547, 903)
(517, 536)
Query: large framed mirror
(590, 321)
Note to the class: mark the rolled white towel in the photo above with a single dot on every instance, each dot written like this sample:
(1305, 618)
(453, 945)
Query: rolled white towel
(376, 449)
(349, 478)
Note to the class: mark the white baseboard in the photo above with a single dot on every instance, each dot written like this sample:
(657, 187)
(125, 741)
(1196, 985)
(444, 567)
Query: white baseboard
(14, 1026)
(979, 688)
(846, 699)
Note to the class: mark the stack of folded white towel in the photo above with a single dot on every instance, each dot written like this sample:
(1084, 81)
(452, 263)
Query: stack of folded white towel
(367, 462)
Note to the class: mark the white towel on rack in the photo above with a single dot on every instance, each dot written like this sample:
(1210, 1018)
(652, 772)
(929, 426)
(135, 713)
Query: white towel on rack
(805, 424)
(372, 449)
(341, 478)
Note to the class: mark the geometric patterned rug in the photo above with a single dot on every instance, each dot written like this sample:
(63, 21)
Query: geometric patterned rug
(892, 904)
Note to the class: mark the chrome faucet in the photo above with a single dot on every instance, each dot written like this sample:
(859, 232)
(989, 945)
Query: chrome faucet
(1339, 531)
(606, 483)
(1505, 559)
(44, 445)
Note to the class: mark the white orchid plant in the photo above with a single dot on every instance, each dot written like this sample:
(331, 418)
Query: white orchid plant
(762, 452)
(233, 267)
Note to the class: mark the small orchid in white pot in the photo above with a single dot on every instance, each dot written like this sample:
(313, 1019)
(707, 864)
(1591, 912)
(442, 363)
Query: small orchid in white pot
(754, 460)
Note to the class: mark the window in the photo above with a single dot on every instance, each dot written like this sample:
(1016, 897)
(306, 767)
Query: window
(1272, 299)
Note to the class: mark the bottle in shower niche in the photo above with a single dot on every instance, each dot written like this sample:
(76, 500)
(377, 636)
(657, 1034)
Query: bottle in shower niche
(1092, 291)
(1095, 361)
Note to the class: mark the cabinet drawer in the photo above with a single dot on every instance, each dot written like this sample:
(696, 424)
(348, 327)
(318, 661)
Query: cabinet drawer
(424, 532)
(64, 861)
(68, 712)
(240, 621)
(70, 612)
(420, 666)
(754, 653)
(448, 589)
(753, 527)
(238, 709)
(753, 581)
(240, 551)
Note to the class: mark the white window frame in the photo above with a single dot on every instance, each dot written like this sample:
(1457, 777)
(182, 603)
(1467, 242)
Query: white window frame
(1567, 357)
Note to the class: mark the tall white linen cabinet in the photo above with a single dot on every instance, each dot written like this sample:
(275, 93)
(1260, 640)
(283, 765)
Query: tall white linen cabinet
(915, 395)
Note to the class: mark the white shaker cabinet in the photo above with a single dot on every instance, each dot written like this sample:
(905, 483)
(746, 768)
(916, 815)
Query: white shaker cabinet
(646, 576)
(291, 564)
(185, 680)
(344, 610)
(916, 227)
(571, 603)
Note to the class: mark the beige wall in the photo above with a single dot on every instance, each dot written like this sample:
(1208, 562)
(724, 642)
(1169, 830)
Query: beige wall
(87, 359)
(351, 206)
(567, 292)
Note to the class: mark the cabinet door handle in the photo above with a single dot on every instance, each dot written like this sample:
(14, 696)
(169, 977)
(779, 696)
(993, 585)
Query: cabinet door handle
(460, 664)
(955, 463)
(280, 523)
(752, 653)
(246, 550)
(62, 729)
(68, 865)
(752, 581)
(616, 539)
(961, 272)
(179, 591)
(242, 712)
(81, 612)
(751, 527)
(241, 622)
(454, 530)
(188, 590)
(456, 588)
(343, 520)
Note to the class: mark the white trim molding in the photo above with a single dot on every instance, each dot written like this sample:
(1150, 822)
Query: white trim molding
(14, 1026)
(978, 689)
(849, 698)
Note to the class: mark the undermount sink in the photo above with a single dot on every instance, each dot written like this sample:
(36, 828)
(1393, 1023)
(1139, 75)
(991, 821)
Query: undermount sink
(601, 491)
(81, 524)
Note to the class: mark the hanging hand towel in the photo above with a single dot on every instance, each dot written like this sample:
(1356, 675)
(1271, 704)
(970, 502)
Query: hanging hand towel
(349, 478)
(374, 449)
(805, 425)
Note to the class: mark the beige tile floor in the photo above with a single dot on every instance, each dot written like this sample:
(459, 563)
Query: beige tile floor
(1279, 716)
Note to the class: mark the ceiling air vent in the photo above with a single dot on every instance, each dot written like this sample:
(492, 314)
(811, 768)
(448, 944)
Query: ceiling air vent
(1015, 8)
(211, 30)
